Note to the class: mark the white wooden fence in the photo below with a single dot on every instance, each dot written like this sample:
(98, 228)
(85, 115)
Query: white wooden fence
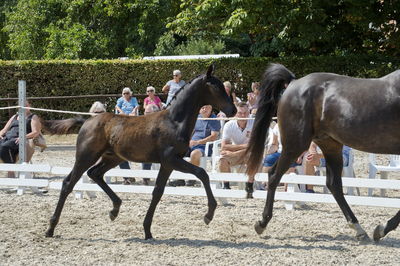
(291, 197)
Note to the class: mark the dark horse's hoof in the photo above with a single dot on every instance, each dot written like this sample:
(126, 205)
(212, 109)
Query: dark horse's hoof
(149, 237)
(113, 214)
(378, 233)
(49, 233)
(259, 229)
(207, 220)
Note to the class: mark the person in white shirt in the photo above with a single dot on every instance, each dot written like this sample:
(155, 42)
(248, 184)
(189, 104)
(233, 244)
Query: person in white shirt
(235, 137)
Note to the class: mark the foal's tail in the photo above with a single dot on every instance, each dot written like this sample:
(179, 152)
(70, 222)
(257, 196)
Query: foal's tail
(274, 81)
(66, 126)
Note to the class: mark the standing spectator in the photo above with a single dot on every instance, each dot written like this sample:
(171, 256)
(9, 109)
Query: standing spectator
(127, 105)
(235, 137)
(152, 98)
(252, 97)
(150, 108)
(204, 131)
(173, 85)
(231, 93)
(9, 136)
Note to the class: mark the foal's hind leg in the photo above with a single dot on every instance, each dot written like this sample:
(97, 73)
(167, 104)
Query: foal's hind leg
(275, 174)
(181, 165)
(97, 172)
(158, 191)
(334, 166)
(380, 231)
(67, 187)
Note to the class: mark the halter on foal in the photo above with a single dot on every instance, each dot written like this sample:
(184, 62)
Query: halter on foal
(161, 137)
(330, 110)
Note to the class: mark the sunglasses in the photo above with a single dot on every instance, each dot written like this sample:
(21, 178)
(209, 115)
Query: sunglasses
(125, 93)
(150, 91)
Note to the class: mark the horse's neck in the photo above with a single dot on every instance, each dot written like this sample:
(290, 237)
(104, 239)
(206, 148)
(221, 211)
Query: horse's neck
(185, 109)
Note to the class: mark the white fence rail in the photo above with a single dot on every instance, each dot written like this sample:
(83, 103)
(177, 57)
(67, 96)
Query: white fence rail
(290, 197)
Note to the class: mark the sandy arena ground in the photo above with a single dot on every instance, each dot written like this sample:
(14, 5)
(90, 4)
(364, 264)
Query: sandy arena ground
(314, 234)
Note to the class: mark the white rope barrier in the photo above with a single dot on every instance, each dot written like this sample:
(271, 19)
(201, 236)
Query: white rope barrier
(87, 113)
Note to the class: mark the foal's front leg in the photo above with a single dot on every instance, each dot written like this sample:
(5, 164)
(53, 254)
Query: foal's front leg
(181, 165)
(158, 191)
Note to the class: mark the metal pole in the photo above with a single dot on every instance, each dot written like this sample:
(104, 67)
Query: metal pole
(22, 120)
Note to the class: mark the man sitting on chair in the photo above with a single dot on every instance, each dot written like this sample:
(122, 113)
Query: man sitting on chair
(235, 137)
(315, 158)
(204, 131)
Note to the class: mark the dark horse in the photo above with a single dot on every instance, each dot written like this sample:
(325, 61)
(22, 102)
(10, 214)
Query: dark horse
(331, 110)
(117, 138)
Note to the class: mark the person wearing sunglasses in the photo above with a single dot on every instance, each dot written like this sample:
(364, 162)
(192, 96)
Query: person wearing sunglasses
(173, 85)
(127, 105)
(152, 99)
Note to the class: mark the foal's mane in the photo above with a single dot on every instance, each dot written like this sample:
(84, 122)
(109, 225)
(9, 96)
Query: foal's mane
(181, 89)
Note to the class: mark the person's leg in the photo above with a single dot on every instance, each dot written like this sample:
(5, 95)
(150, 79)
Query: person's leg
(127, 180)
(195, 156)
(146, 166)
(269, 161)
(224, 167)
(309, 167)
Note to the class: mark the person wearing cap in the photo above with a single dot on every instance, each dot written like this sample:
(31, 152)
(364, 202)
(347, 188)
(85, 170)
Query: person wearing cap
(152, 99)
(127, 105)
(173, 85)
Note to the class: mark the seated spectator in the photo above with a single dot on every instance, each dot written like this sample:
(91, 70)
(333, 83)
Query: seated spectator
(9, 137)
(235, 138)
(97, 108)
(204, 131)
(150, 108)
(173, 85)
(127, 105)
(152, 98)
(252, 97)
(315, 158)
(274, 152)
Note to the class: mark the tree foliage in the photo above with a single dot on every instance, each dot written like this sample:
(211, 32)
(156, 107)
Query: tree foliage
(81, 29)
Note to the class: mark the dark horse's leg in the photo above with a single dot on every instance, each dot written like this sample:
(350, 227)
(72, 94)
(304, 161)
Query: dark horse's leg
(97, 172)
(68, 184)
(275, 174)
(181, 165)
(158, 191)
(332, 151)
(380, 231)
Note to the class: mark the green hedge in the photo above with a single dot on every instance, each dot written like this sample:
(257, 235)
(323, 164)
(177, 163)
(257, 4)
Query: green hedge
(88, 77)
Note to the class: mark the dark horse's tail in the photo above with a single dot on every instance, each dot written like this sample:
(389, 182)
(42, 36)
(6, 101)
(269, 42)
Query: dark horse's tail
(60, 127)
(274, 81)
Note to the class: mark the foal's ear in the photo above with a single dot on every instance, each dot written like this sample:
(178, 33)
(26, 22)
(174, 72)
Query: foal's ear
(210, 70)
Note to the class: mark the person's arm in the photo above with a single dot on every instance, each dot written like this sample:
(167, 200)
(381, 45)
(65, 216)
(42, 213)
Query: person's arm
(274, 145)
(118, 106)
(6, 127)
(145, 103)
(312, 151)
(212, 137)
(226, 145)
(165, 89)
(36, 127)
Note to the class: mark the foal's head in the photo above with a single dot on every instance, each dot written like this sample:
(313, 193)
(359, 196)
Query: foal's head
(215, 94)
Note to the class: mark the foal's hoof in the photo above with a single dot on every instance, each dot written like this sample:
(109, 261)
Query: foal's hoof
(207, 220)
(113, 214)
(378, 233)
(149, 237)
(363, 238)
(49, 233)
(259, 229)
